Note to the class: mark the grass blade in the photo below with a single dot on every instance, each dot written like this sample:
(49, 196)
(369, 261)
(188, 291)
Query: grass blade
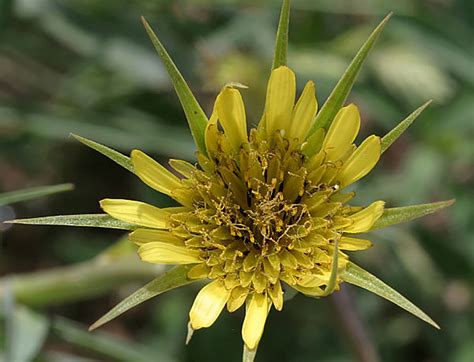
(33, 193)
(81, 281)
(105, 345)
(357, 276)
(26, 336)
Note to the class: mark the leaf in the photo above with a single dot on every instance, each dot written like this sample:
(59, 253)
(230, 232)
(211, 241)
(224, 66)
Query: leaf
(80, 281)
(248, 354)
(196, 117)
(393, 135)
(106, 345)
(357, 276)
(24, 331)
(115, 156)
(86, 220)
(28, 334)
(33, 193)
(173, 278)
(281, 44)
(343, 87)
(397, 215)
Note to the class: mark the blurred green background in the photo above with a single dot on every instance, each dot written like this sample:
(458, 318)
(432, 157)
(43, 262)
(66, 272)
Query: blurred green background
(88, 67)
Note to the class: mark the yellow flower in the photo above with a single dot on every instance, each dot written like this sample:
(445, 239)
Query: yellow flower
(264, 209)
(258, 210)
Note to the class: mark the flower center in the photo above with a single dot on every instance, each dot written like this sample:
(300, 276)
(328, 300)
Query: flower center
(263, 215)
(270, 224)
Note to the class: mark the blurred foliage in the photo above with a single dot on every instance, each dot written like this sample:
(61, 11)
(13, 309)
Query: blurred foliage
(87, 67)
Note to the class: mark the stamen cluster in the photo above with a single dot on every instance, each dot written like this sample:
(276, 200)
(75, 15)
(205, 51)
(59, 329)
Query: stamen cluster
(263, 217)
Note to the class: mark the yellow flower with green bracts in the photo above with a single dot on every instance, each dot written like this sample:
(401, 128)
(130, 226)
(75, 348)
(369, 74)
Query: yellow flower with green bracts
(258, 210)
(262, 210)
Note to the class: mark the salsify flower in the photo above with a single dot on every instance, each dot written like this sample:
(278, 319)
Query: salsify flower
(262, 210)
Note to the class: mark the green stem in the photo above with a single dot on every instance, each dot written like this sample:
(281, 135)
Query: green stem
(248, 354)
(76, 282)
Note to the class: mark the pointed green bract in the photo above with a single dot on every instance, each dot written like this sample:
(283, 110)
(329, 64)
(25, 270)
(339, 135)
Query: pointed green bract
(397, 215)
(332, 283)
(313, 143)
(174, 278)
(248, 354)
(85, 220)
(357, 276)
(281, 44)
(343, 87)
(33, 193)
(196, 117)
(392, 136)
(115, 156)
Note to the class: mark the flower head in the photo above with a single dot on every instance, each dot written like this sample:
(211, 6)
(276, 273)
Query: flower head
(260, 209)
(264, 209)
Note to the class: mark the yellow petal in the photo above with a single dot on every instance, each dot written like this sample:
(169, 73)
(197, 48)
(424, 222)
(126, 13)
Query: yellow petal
(211, 134)
(342, 133)
(173, 210)
(363, 220)
(276, 294)
(136, 212)
(312, 280)
(288, 260)
(153, 174)
(304, 112)
(352, 244)
(361, 162)
(183, 167)
(254, 322)
(231, 113)
(280, 99)
(199, 271)
(270, 272)
(206, 163)
(163, 253)
(144, 236)
(259, 282)
(208, 305)
(237, 298)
